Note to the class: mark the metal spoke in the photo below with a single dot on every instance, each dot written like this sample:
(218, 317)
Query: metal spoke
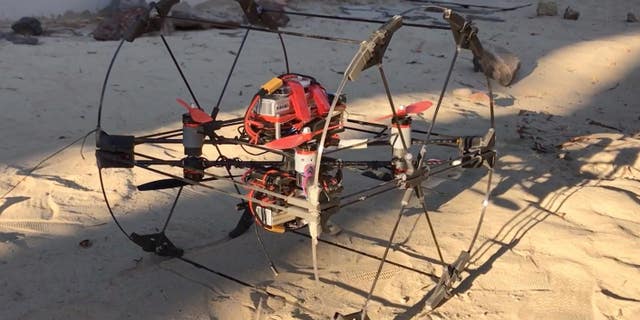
(485, 204)
(366, 142)
(215, 110)
(272, 265)
(405, 202)
(104, 86)
(184, 79)
(284, 52)
(491, 108)
(444, 89)
(173, 208)
(392, 105)
(155, 135)
(433, 234)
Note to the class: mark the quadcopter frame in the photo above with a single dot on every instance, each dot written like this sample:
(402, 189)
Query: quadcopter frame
(118, 151)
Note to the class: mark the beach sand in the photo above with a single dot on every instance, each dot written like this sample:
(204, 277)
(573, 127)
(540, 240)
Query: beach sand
(560, 239)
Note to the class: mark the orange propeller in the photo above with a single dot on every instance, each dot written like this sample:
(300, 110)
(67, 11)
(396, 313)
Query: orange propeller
(196, 114)
(413, 108)
(289, 142)
(294, 140)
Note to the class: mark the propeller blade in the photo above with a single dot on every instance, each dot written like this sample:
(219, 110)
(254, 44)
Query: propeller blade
(289, 142)
(197, 115)
(418, 107)
(413, 108)
(293, 141)
(162, 184)
(184, 104)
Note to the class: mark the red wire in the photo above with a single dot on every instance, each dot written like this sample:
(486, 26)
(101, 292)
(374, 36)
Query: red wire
(247, 120)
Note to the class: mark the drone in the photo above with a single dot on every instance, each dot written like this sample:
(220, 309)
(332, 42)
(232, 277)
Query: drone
(294, 117)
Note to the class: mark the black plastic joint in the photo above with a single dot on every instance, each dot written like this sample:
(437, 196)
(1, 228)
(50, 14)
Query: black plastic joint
(114, 151)
(157, 243)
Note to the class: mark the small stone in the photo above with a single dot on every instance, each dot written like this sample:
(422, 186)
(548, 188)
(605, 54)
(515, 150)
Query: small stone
(189, 16)
(86, 243)
(270, 18)
(571, 14)
(20, 39)
(498, 63)
(462, 92)
(631, 17)
(114, 27)
(27, 26)
(547, 8)
(565, 156)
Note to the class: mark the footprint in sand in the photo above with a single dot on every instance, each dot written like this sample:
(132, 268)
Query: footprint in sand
(54, 208)
(40, 226)
(39, 215)
(368, 276)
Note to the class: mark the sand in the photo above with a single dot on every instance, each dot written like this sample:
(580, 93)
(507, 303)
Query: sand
(560, 239)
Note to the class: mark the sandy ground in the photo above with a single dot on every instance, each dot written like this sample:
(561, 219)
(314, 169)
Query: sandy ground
(560, 240)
